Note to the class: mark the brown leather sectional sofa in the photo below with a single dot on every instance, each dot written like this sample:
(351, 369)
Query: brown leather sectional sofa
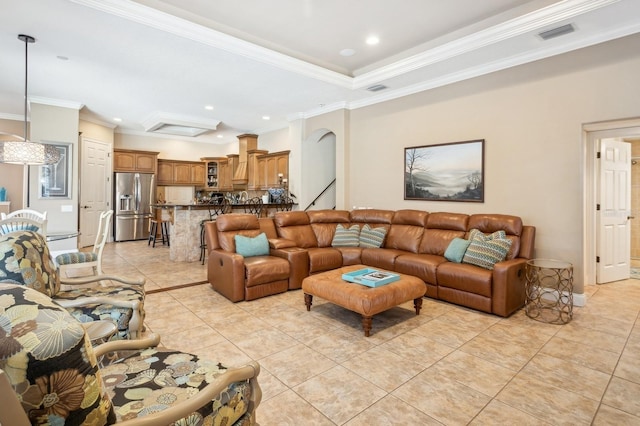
(414, 244)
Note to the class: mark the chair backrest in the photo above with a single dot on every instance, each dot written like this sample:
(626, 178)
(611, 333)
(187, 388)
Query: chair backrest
(254, 206)
(102, 234)
(218, 208)
(25, 260)
(14, 224)
(230, 225)
(27, 213)
(284, 204)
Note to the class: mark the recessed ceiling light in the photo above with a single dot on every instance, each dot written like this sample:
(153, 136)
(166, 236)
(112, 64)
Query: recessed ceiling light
(209, 107)
(220, 136)
(347, 52)
(372, 40)
(118, 119)
(266, 117)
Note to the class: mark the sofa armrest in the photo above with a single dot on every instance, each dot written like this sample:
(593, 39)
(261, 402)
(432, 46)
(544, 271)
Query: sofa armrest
(281, 243)
(508, 286)
(298, 259)
(226, 274)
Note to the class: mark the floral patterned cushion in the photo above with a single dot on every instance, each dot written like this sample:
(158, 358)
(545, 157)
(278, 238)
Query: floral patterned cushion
(49, 361)
(120, 315)
(154, 380)
(25, 260)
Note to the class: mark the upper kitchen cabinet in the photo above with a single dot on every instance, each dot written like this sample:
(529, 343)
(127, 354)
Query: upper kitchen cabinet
(215, 168)
(186, 173)
(274, 166)
(127, 160)
(255, 178)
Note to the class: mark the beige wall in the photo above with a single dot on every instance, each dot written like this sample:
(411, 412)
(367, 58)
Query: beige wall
(174, 149)
(531, 119)
(96, 131)
(56, 124)
(339, 123)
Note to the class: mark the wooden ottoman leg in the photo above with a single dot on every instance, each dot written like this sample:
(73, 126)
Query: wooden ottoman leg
(366, 324)
(417, 303)
(308, 299)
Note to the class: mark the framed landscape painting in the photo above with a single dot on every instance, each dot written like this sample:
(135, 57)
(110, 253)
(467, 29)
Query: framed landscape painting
(445, 172)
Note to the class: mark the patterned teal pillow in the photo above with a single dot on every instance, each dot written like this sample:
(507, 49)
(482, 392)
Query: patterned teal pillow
(372, 237)
(476, 234)
(486, 253)
(248, 246)
(456, 250)
(346, 237)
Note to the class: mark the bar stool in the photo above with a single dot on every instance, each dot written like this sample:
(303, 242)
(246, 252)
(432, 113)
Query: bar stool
(215, 209)
(164, 232)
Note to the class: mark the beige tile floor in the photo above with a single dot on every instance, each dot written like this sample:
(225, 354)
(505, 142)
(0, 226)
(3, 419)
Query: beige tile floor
(449, 365)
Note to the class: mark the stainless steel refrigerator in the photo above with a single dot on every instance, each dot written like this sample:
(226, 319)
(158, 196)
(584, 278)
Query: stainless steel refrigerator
(134, 193)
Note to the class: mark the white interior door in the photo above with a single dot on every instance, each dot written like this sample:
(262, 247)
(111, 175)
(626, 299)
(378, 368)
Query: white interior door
(614, 199)
(94, 188)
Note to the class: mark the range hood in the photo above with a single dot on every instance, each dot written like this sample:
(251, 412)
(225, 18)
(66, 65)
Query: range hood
(247, 142)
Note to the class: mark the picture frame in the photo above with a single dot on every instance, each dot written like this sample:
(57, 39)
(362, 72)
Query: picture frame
(55, 179)
(445, 172)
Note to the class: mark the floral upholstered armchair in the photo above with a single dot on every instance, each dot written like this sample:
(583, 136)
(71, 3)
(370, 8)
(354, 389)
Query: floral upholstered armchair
(25, 260)
(50, 375)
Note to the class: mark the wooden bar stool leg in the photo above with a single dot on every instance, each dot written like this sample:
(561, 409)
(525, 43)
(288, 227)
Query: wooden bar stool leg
(165, 233)
(152, 232)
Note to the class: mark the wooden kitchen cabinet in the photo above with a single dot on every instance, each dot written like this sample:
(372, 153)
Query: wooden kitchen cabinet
(255, 178)
(224, 176)
(198, 174)
(272, 165)
(165, 172)
(181, 173)
(127, 160)
(175, 172)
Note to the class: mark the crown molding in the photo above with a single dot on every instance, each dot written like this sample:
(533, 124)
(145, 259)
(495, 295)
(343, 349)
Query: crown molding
(531, 21)
(512, 61)
(56, 102)
(183, 28)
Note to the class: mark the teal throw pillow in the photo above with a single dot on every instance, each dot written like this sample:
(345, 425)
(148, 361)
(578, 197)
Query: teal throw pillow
(456, 250)
(372, 237)
(486, 253)
(248, 246)
(346, 237)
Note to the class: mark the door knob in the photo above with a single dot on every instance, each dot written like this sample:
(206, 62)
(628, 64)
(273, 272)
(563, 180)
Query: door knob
(86, 207)
(630, 217)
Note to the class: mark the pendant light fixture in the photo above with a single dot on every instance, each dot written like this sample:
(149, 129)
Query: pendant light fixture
(26, 152)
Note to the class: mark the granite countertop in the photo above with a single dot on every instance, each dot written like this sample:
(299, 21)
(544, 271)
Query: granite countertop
(202, 206)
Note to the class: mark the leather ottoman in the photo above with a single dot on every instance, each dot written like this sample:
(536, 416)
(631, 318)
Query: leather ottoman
(367, 301)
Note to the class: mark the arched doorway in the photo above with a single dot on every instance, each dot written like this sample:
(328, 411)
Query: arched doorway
(318, 171)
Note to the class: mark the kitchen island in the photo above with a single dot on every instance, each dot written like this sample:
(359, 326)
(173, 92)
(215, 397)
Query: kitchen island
(185, 220)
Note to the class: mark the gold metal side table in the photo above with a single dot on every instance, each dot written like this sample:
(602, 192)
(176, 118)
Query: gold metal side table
(549, 291)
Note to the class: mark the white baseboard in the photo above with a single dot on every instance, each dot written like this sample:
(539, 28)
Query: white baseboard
(579, 299)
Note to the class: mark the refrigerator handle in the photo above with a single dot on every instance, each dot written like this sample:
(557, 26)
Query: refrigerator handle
(137, 191)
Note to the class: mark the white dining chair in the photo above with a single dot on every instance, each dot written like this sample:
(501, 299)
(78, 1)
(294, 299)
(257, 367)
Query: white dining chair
(40, 218)
(93, 259)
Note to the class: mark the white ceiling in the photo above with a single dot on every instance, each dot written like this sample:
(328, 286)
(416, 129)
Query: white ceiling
(139, 60)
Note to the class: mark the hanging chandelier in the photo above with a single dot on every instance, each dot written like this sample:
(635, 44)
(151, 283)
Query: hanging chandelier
(26, 152)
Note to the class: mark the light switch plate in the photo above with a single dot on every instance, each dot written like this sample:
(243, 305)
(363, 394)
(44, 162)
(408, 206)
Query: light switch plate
(66, 208)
